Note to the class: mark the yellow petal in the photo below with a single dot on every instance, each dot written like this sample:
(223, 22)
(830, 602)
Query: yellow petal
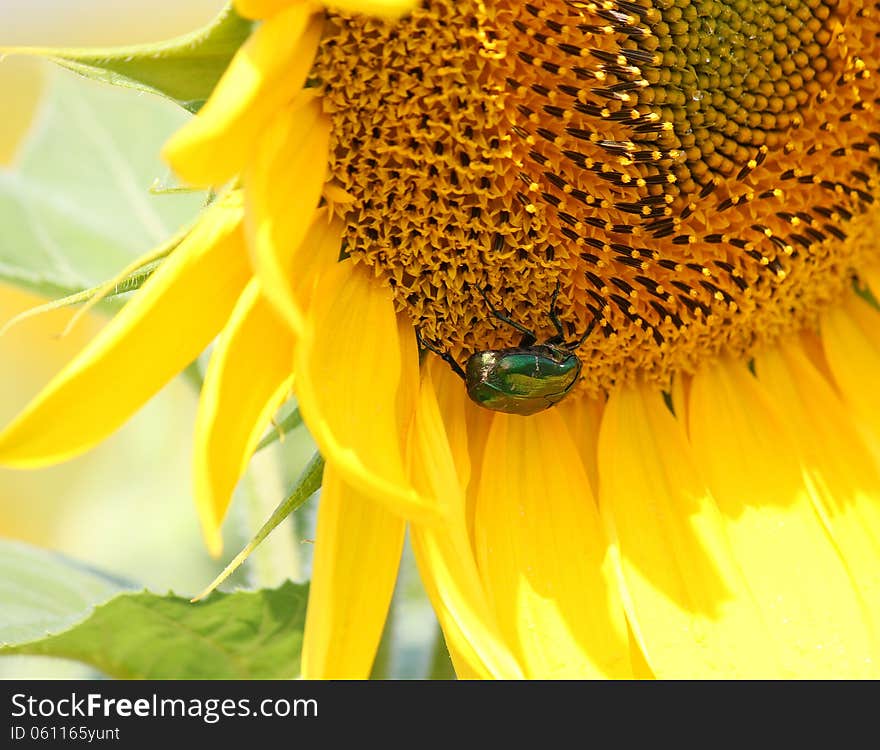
(852, 351)
(687, 602)
(248, 378)
(451, 581)
(479, 422)
(257, 9)
(460, 666)
(161, 330)
(443, 551)
(381, 8)
(678, 395)
(452, 402)
(542, 553)
(871, 276)
(811, 343)
(640, 668)
(291, 240)
(350, 370)
(838, 465)
(750, 462)
(583, 417)
(410, 382)
(354, 569)
(467, 427)
(266, 72)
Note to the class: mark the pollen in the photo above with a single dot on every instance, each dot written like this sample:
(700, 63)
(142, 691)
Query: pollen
(693, 176)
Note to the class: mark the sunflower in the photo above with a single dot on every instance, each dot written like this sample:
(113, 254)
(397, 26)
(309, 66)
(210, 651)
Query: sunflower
(675, 200)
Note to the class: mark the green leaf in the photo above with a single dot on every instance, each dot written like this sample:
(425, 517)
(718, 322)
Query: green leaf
(184, 69)
(78, 208)
(243, 635)
(43, 592)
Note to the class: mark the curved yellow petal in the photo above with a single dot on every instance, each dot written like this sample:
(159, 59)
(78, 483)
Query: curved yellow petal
(689, 607)
(409, 386)
(443, 551)
(161, 330)
(354, 569)
(266, 72)
(479, 422)
(257, 9)
(450, 578)
(292, 241)
(852, 350)
(350, 375)
(381, 8)
(835, 460)
(750, 461)
(811, 343)
(461, 667)
(543, 556)
(640, 668)
(871, 276)
(248, 378)
(467, 426)
(678, 396)
(583, 417)
(450, 394)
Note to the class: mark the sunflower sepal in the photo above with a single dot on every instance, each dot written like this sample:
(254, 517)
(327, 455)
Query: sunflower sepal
(130, 279)
(184, 69)
(308, 484)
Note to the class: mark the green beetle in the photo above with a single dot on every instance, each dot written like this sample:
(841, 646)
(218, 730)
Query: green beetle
(521, 380)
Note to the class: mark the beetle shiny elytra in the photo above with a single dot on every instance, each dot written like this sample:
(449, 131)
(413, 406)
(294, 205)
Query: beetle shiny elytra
(522, 380)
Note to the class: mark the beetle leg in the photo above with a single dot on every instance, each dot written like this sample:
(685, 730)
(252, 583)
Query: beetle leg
(510, 321)
(587, 333)
(445, 356)
(554, 316)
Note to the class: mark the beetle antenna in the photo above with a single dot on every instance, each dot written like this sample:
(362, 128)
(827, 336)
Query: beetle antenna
(445, 356)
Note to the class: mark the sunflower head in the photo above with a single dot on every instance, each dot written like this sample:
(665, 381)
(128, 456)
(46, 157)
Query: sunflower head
(694, 177)
(573, 204)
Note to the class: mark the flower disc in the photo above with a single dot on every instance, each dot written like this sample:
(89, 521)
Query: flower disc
(698, 175)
